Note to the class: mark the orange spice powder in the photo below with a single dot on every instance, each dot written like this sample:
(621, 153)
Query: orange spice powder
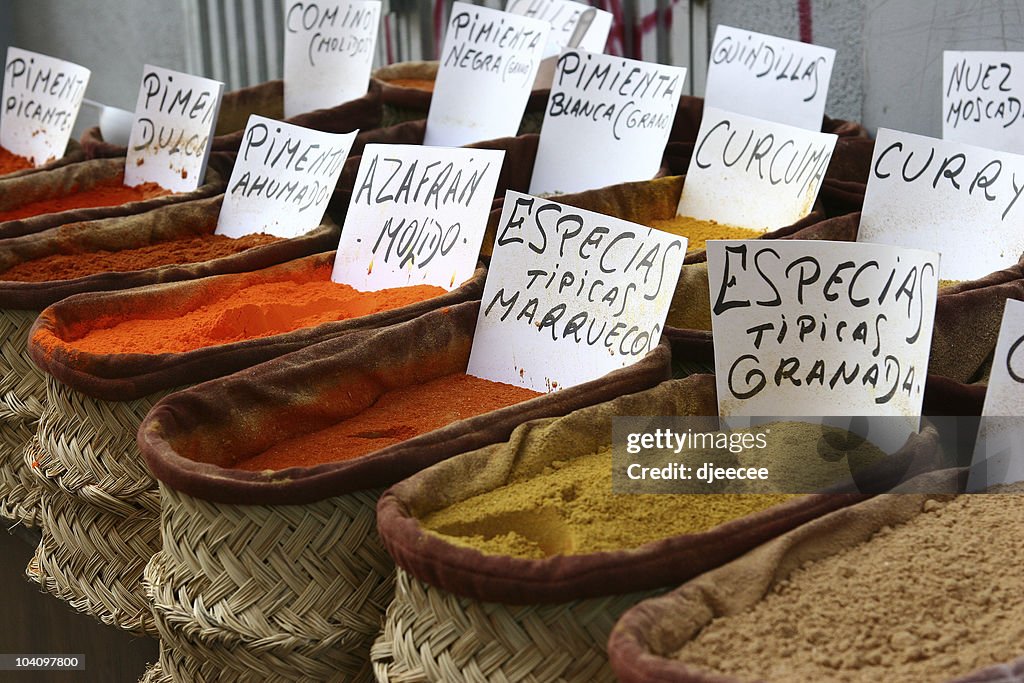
(11, 162)
(111, 193)
(190, 250)
(259, 310)
(398, 415)
(413, 83)
(698, 232)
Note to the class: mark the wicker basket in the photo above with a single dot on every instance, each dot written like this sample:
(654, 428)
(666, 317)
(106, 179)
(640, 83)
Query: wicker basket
(237, 598)
(155, 674)
(22, 392)
(433, 635)
(260, 570)
(94, 560)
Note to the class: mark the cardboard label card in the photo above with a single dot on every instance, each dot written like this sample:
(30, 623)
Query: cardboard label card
(607, 121)
(283, 179)
(959, 200)
(174, 120)
(981, 99)
(816, 328)
(769, 77)
(999, 450)
(328, 53)
(488, 64)
(571, 295)
(40, 104)
(417, 216)
(564, 16)
(754, 174)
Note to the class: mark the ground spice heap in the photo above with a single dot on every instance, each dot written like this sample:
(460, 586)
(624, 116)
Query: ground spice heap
(413, 83)
(258, 310)
(190, 250)
(11, 162)
(935, 598)
(698, 232)
(109, 193)
(396, 416)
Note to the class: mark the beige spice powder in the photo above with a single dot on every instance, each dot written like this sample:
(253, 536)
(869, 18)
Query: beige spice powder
(935, 598)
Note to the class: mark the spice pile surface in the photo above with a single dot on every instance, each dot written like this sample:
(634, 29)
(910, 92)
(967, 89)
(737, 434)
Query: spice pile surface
(111, 193)
(414, 83)
(698, 232)
(935, 598)
(189, 250)
(396, 416)
(258, 310)
(11, 162)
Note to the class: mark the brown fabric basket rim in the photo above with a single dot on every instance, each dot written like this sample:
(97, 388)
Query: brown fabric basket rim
(128, 376)
(470, 573)
(213, 183)
(39, 295)
(300, 485)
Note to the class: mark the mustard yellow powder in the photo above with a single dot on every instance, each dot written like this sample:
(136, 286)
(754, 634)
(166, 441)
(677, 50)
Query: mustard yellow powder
(698, 232)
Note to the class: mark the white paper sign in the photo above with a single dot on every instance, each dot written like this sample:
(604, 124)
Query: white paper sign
(769, 77)
(818, 328)
(283, 179)
(328, 53)
(571, 295)
(488, 64)
(754, 174)
(607, 121)
(999, 451)
(959, 200)
(981, 99)
(40, 104)
(174, 120)
(417, 216)
(564, 15)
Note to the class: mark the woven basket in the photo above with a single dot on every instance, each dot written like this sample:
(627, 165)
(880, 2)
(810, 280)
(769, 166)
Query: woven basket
(236, 597)
(433, 635)
(22, 392)
(155, 674)
(94, 560)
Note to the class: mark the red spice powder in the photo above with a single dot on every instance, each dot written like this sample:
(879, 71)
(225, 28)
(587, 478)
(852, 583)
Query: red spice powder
(398, 415)
(111, 193)
(190, 250)
(259, 310)
(11, 162)
(414, 83)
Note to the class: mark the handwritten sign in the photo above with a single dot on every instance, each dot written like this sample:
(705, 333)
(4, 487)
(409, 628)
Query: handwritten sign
(981, 99)
(328, 53)
(282, 180)
(999, 450)
(488, 64)
(564, 16)
(959, 200)
(816, 328)
(769, 77)
(607, 121)
(174, 119)
(571, 295)
(417, 216)
(752, 173)
(41, 99)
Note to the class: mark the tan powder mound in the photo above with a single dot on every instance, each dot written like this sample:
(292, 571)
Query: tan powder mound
(927, 601)
(698, 232)
(413, 83)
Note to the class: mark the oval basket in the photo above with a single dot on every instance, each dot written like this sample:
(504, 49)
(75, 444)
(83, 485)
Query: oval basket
(252, 559)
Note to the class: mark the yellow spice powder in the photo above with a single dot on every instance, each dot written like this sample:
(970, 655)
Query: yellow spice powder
(570, 509)
(943, 284)
(698, 232)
